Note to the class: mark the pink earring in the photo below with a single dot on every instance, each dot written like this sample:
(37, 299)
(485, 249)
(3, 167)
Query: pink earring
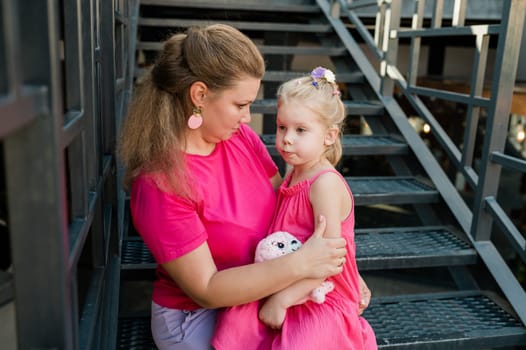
(196, 119)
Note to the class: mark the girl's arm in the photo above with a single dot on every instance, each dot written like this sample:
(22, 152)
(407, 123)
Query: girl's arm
(197, 274)
(329, 197)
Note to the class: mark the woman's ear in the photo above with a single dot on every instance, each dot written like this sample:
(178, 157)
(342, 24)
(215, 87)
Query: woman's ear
(198, 92)
(330, 137)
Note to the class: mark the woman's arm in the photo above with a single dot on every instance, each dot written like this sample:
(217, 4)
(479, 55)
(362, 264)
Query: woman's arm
(276, 180)
(197, 274)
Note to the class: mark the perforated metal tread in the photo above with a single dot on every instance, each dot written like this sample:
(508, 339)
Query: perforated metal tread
(456, 320)
(392, 248)
(134, 333)
(135, 255)
(356, 145)
(391, 190)
(387, 248)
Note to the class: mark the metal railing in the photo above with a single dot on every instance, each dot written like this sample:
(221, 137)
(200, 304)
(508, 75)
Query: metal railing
(485, 217)
(64, 78)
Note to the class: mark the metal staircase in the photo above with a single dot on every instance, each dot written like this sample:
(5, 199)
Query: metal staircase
(436, 258)
(412, 223)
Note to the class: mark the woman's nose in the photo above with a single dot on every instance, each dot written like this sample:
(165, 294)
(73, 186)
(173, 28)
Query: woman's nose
(246, 117)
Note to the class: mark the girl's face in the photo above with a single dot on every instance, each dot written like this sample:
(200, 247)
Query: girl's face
(224, 111)
(301, 137)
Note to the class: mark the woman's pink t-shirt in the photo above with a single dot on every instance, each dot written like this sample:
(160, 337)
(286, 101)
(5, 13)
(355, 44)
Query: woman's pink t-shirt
(231, 212)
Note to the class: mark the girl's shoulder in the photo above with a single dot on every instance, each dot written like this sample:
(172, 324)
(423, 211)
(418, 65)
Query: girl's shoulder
(329, 182)
(327, 176)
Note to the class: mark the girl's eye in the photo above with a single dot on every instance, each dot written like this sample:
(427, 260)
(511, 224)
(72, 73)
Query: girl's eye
(300, 130)
(281, 127)
(242, 106)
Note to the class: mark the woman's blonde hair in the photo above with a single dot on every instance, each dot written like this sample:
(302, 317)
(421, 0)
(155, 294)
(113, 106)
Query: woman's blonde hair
(152, 138)
(321, 97)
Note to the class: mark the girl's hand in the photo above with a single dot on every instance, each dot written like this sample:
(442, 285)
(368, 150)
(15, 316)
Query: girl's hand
(322, 257)
(272, 313)
(365, 296)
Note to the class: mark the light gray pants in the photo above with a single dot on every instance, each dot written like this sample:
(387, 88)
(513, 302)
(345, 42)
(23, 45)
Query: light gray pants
(174, 329)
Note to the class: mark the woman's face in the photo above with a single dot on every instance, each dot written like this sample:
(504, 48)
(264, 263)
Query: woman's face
(224, 111)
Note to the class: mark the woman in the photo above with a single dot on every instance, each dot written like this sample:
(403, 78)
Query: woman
(202, 186)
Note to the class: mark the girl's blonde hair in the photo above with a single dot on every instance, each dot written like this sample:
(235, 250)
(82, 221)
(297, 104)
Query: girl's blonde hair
(321, 97)
(152, 138)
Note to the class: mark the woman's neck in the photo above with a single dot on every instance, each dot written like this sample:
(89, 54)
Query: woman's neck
(196, 144)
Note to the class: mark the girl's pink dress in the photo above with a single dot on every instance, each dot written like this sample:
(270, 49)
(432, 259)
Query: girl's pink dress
(335, 324)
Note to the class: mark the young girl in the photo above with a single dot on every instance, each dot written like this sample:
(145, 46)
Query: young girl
(310, 114)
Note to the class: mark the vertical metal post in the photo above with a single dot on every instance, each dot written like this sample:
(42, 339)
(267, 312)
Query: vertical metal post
(476, 89)
(414, 49)
(436, 21)
(389, 46)
(37, 192)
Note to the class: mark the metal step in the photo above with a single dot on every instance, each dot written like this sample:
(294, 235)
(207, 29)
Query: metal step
(135, 255)
(376, 249)
(281, 76)
(391, 190)
(250, 5)
(356, 145)
(241, 25)
(269, 49)
(365, 108)
(456, 320)
(411, 247)
(134, 333)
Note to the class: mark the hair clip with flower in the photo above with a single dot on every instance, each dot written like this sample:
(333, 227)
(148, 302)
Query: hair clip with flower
(321, 73)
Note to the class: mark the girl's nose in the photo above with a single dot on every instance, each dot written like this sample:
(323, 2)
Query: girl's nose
(288, 139)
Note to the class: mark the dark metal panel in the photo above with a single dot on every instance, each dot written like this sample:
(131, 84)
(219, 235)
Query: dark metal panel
(91, 101)
(107, 74)
(9, 50)
(73, 64)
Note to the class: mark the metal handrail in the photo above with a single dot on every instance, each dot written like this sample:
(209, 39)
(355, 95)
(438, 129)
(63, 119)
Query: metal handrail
(485, 211)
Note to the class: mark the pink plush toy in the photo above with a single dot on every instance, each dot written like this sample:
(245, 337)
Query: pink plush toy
(280, 243)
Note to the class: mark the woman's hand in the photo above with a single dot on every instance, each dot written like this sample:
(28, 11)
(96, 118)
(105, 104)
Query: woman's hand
(322, 257)
(365, 296)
